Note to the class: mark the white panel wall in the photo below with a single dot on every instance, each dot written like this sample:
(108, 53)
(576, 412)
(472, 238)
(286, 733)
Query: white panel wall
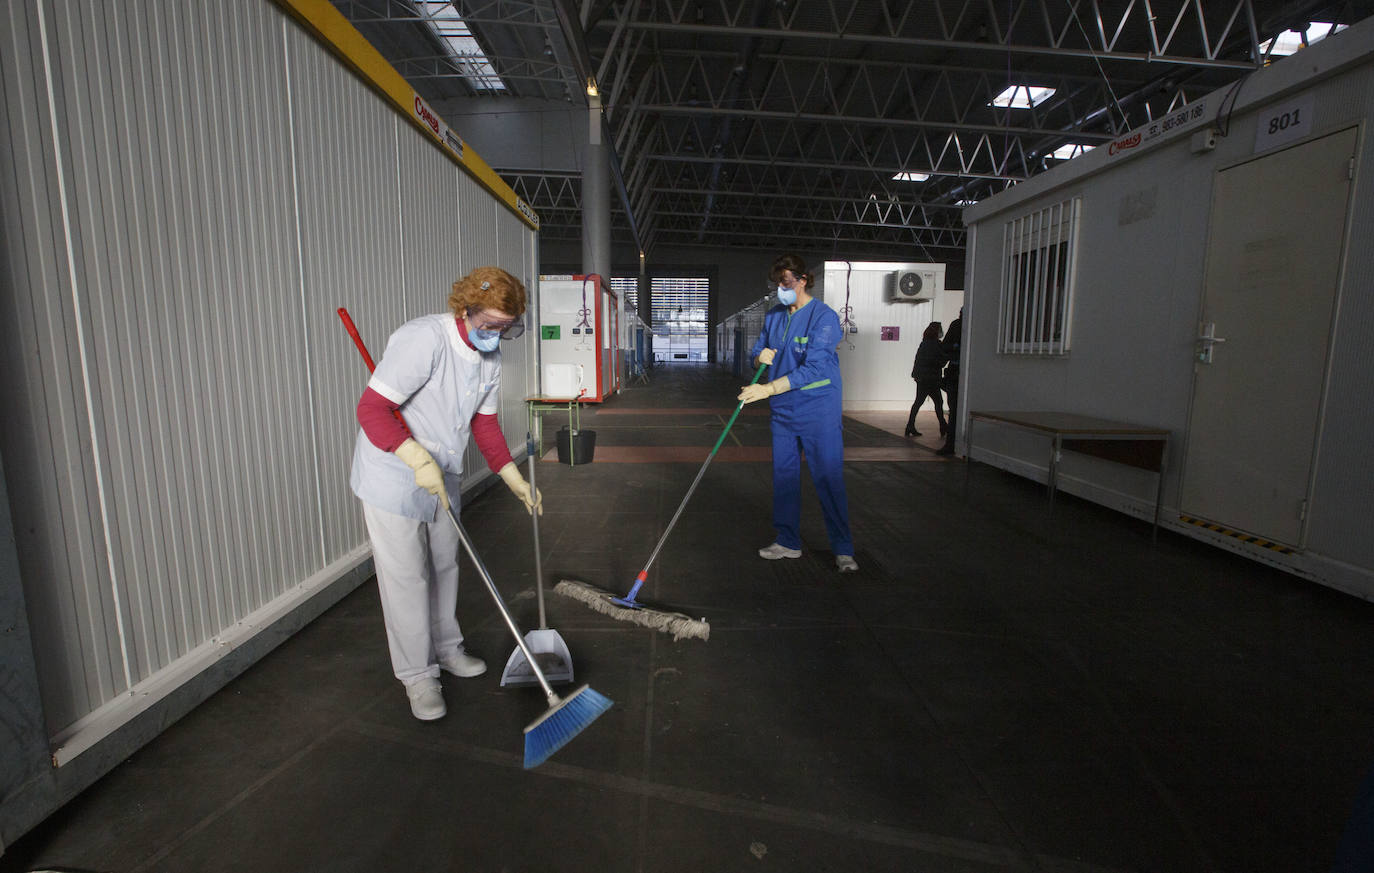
(877, 373)
(189, 191)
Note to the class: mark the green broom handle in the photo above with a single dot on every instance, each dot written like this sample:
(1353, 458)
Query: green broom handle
(639, 580)
(728, 424)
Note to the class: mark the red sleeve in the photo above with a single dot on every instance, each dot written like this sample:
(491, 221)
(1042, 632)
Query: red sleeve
(381, 422)
(486, 430)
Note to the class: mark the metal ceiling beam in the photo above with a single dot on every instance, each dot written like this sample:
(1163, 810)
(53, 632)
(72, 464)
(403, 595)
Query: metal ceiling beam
(952, 45)
(852, 120)
(810, 198)
(989, 70)
(820, 165)
(728, 239)
(823, 221)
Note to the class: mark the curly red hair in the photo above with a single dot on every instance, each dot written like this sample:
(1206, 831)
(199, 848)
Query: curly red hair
(488, 288)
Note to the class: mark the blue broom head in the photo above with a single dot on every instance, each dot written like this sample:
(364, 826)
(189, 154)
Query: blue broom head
(555, 729)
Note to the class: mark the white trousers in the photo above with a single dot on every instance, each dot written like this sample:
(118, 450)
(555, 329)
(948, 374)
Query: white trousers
(417, 576)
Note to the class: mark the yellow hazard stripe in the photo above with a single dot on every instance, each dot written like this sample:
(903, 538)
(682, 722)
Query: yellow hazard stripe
(338, 34)
(1235, 534)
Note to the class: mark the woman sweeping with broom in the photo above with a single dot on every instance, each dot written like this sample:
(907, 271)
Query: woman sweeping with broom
(444, 372)
(798, 343)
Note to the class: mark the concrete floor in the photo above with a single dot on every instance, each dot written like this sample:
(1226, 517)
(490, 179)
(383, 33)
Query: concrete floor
(998, 689)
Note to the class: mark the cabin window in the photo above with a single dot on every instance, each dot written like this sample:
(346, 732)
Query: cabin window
(1037, 281)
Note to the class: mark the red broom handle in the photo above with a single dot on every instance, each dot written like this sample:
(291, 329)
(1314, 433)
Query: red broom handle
(357, 340)
(367, 359)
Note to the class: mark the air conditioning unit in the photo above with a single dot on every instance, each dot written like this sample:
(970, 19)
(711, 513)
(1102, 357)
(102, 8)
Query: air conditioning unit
(910, 286)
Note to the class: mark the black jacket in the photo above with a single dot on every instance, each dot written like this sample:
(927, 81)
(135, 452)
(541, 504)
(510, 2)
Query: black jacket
(953, 336)
(930, 357)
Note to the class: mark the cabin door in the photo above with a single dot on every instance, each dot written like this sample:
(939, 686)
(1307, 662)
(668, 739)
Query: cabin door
(1273, 266)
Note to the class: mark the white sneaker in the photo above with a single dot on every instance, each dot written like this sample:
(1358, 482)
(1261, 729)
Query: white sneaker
(426, 700)
(846, 564)
(776, 551)
(460, 663)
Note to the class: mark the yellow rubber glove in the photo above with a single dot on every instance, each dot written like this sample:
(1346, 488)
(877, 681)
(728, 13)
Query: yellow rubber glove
(766, 356)
(750, 393)
(427, 473)
(510, 474)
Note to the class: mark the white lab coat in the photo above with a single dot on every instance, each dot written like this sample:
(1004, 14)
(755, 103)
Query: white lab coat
(440, 384)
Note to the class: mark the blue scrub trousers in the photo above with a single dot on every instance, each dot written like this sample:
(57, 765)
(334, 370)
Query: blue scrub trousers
(825, 459)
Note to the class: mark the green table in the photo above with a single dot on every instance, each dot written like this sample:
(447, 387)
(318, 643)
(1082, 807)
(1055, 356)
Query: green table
(539, 405)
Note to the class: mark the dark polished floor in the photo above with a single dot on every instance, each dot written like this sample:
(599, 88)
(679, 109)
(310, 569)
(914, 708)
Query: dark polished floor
(997, 689)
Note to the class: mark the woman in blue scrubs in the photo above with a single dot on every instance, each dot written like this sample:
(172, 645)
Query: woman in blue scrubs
(798, 343)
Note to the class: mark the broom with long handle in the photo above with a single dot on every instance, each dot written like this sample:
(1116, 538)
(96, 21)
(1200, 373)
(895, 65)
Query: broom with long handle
(566, 717)
(627, 608)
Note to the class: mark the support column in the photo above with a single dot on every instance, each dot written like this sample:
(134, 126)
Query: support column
(644, 302)
(596, 197)
(645, 309)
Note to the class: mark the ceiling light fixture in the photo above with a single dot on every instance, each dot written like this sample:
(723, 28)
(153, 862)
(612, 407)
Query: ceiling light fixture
(910, 177)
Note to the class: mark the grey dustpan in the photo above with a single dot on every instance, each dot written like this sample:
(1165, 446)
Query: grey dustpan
(546, 646)
(550, 653)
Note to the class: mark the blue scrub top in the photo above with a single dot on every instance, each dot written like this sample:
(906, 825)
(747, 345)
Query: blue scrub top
(805, 341)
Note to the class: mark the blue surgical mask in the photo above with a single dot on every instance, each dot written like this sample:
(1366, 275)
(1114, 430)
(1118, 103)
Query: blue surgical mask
(787, 296)
(485, 340)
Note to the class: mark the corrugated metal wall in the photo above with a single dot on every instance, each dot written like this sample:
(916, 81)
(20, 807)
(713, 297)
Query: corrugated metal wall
(189, 192)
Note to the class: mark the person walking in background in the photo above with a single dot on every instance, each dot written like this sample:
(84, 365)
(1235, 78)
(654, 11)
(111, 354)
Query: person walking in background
(443, 374)
(798, 343)
(930, 358)
(953, 339)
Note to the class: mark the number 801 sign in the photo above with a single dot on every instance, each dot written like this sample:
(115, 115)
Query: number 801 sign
(1283, 124)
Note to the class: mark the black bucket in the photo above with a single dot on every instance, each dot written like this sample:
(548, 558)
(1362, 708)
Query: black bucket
(578, 449)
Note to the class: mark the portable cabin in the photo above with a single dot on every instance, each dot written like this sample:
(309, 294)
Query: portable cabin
(580, 337)
(1209, 275)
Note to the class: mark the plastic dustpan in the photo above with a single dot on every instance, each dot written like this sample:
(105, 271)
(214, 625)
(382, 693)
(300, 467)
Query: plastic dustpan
(550, 653)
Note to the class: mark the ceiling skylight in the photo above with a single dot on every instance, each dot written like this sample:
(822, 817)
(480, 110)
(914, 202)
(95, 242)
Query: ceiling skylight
(1290, 41)
(1070, 150)
(910, 177)
(1022, 96)
(443, 19)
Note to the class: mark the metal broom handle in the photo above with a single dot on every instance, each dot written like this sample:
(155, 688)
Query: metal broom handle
(501, 607)
(534, 520)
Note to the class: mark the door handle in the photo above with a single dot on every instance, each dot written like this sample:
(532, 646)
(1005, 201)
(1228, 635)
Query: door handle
(1207, 336)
